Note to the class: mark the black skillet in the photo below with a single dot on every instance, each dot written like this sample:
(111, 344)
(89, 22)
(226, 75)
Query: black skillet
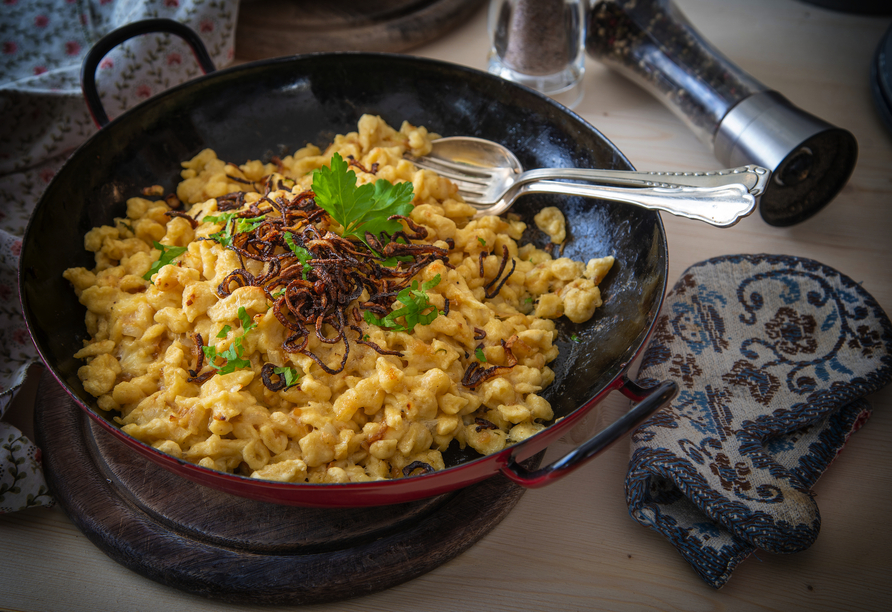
(266, 108)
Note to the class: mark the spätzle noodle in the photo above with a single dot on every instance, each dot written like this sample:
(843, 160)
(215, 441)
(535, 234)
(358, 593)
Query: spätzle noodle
(472, 376)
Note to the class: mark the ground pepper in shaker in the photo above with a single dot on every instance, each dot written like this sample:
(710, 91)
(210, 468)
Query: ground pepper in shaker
(540, 44)
(744, 122)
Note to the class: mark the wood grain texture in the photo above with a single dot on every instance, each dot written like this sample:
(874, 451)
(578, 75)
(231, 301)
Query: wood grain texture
(274, 28)
(220, 546)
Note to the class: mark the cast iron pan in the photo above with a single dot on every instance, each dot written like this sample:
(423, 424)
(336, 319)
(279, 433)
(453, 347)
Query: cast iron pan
(267, 108)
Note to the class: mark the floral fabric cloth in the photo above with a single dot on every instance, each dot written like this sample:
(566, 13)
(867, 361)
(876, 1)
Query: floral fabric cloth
(42, 44)
(773, 355)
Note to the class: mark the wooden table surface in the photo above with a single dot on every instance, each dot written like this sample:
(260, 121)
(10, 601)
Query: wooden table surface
(572, 545)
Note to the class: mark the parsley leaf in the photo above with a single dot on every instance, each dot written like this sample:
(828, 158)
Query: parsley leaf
(480, 355)
(302, 254)
(393, 262)
(248, 225)
(230, 223)
(481, 241)
(361, 209)
(415, 302)
(221, 218)
(168, 254)
(247, 322)
(233, 355)
(289, 374)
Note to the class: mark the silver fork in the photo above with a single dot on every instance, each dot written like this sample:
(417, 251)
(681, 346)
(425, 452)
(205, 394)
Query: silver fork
(490, 178)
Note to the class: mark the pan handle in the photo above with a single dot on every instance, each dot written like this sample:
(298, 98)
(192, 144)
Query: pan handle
(649, 401)
(126, 32)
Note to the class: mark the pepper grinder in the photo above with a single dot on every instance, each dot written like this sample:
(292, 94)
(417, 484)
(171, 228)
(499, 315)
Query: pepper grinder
(540, 44)
(653, 44)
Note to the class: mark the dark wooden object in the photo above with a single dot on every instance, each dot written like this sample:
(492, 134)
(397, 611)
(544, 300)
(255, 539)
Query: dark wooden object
(220, 546)
(274, 28)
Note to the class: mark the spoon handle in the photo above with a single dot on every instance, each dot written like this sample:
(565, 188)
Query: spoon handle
(721, 206)
(754, 178)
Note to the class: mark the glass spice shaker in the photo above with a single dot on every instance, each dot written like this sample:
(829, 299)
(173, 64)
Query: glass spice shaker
(540, 44)
(744, 122)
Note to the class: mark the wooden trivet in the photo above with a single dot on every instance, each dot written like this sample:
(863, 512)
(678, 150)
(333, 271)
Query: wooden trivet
(220, 546)
(275, 28)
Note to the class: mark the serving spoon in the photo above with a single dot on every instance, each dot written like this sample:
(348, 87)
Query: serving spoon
(490, 178)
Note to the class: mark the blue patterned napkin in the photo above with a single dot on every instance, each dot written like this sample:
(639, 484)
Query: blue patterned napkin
(42, 44)
(773, 355)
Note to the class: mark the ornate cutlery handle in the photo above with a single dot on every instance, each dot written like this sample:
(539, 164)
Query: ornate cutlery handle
(721, 206)
(754, 178)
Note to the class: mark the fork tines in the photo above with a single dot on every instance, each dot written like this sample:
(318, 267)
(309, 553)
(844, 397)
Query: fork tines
(472, 181)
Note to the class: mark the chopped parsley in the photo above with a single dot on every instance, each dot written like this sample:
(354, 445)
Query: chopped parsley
(233, 356)
(231, 225)
(288, 374)
(168, 254)
(481, 241)
(416, 309)
(361, 209)
(480, 355)
(302, 254)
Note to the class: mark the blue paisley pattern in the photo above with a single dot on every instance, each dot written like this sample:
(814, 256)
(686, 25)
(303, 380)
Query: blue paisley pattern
(773, 355)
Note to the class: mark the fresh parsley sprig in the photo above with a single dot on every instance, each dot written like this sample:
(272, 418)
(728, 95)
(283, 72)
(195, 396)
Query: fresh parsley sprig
(168, 254)
(361, 209)
(416, 309)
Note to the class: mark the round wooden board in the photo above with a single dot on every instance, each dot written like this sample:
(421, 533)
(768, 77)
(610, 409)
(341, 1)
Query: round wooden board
(221, 546)
(276, 28)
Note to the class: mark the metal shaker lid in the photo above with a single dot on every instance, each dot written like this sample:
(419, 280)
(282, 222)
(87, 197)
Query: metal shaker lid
(810, 159)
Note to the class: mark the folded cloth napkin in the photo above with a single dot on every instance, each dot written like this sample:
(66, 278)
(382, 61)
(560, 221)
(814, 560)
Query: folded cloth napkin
(42, 44)
(773, 355)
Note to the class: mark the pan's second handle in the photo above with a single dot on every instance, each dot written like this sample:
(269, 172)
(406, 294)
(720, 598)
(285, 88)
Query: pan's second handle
(649, 401)
(116, 37)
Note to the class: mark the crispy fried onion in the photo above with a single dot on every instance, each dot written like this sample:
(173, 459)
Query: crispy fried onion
(426, 468)
(311, 294)
(198, 354)
(482, 424)
(477, 374)
(179, 213)
(267, 372)
(488, 289)
(352, 162)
